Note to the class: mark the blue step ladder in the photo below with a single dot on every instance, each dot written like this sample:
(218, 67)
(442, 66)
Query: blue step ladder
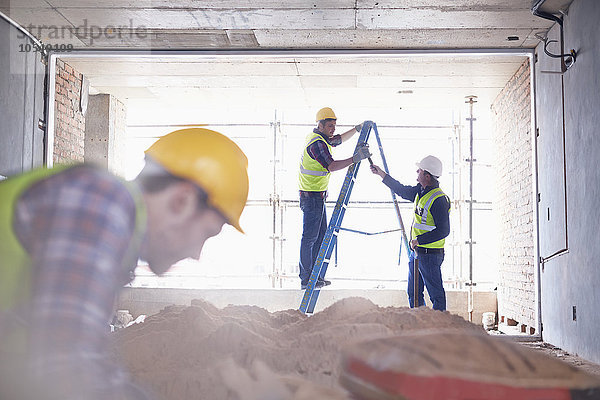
(311, 294)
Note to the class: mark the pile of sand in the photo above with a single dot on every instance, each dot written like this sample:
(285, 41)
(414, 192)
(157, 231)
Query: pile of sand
(247, 353)
(209, 353)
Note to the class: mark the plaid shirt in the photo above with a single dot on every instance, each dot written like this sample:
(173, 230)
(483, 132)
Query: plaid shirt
(77, 226)
(320, 152)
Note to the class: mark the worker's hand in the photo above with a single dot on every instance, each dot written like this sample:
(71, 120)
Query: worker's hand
(361, 153)
(359, 127)
(377, 171)
(336, 140)
(414, 243)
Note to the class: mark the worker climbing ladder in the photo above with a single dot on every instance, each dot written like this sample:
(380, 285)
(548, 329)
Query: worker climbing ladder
(311, 294)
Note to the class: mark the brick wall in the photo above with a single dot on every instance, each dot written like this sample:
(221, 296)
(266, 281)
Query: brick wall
(511, 113)
(69, 124)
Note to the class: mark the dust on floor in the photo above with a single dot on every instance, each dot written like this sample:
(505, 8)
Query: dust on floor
(580, 363)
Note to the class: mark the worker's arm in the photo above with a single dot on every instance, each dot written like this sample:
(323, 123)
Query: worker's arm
(349, 133)
(441, 219)
(319, 151)
(406, 192)
(336, 165)
(77, 226)
(360, 154)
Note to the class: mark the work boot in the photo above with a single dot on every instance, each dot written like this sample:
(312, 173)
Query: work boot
(319, 285)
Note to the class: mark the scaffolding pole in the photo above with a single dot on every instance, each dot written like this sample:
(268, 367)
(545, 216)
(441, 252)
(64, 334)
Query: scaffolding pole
(471, 100)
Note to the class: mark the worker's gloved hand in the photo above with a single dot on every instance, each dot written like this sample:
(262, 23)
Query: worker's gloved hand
(361, 153)
(359, 127)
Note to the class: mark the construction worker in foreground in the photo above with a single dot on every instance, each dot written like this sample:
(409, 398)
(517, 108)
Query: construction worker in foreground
(70, 238)
(431, 224)
(316, 164)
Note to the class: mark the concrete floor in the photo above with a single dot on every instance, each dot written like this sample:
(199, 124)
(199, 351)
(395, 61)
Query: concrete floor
(534, 343)
(585, 365)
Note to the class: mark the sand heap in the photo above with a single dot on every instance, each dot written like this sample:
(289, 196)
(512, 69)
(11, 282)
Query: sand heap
(187, 352)
(247, 353)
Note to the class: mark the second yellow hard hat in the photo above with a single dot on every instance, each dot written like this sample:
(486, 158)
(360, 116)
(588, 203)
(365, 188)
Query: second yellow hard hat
(325, 113)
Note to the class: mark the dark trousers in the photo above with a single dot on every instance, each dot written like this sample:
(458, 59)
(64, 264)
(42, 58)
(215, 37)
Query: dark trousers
(430, 276)
(314, 226)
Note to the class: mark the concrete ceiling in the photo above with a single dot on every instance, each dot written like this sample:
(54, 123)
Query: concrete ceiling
(290, 81)
(282, 24)
(351, 80)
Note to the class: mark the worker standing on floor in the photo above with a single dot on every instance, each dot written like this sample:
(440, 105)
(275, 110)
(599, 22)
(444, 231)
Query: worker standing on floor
(316, 164)
(431, 224)
(70, 238)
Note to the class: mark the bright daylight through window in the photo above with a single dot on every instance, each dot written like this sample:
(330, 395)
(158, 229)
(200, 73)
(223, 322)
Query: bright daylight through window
(267, 105)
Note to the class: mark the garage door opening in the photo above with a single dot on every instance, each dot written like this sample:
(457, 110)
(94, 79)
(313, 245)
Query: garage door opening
(266, 102)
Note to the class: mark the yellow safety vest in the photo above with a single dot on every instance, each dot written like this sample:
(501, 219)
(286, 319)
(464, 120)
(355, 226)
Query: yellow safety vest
(313, 177)
(423, 220)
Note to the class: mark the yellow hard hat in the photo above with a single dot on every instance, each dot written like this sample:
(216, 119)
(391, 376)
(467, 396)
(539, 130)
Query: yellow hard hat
(211, 160)
(325, 113)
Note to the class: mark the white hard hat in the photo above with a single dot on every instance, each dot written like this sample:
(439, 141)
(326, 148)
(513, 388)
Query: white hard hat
(431, 164)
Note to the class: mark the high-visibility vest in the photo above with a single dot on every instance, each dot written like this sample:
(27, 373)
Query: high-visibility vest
(15, 262)
(423, 220)
(313, 177)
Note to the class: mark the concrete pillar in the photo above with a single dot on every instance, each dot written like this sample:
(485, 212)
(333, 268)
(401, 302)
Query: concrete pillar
(105, 131)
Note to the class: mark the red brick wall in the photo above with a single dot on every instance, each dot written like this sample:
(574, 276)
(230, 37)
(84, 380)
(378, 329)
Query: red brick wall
(69, 123)
(511, 113)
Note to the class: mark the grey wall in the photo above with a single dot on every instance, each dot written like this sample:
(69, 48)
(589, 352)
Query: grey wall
(21, 102)
(105, 132)
(571, 279)
(98, 130)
